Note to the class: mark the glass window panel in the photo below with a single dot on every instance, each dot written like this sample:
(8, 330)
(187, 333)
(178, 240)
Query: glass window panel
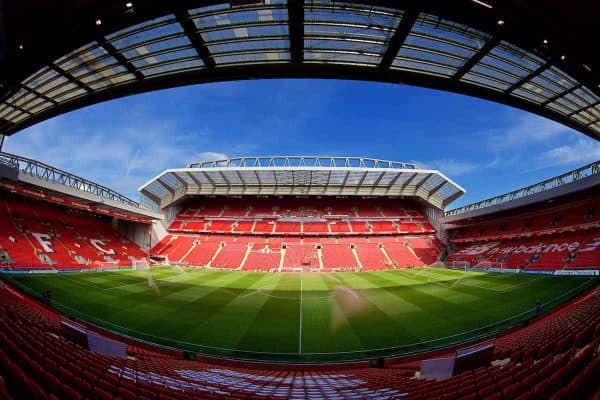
(248, 45)
(530, 96)
(575, 99)
(438, 45)
(517, 56)
(433, 26)
(586, 95)
(557, 77)
(342, 58)
(169, 68)
(243, 58)
(49, 85)
(33, 103)
(93, 66)
(351, 16)
(538, 90)
(60, 90)
(44, 75)
(347, 45)
(146, 35)
(504, 66)
(142, 26)
(107, 73)
(157, 46)
(493, 73)
(559, 108)
(251, 31)
(241, 17)
(41, 107)
(432, 57)
(5, 110)
(165, 57)
(567, 103)
(485, 81)
(95, 54)
(424, 67)
(75, 92)
(358, 32)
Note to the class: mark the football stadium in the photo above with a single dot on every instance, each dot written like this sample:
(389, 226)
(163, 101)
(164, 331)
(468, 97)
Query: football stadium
(297, 276)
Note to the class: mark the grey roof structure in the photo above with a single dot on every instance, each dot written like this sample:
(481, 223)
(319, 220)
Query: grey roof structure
(300, 176)
(150, 45)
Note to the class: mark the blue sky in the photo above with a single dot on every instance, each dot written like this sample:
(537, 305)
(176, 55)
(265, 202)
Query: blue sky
(487, 148)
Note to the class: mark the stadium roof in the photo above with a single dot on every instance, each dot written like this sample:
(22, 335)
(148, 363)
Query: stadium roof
(61, 55)
(25, 173)
(302, 176)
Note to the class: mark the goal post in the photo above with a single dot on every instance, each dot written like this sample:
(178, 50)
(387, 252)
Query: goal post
(460, 265)
(491, 265)
(140, 264)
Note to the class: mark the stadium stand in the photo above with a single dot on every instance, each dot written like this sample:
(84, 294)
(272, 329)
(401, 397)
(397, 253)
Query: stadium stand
(553, 237)
(298, 222)
(36, 234)
(556, 356)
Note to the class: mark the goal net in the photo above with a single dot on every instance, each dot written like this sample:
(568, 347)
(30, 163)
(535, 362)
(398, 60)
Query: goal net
(460, 265)
(140, 264)
(491, 264)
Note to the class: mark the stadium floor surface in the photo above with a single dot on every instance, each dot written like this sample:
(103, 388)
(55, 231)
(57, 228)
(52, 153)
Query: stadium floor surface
(302, 316)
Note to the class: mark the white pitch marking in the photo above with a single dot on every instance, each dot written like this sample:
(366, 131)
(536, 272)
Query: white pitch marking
(300, 322)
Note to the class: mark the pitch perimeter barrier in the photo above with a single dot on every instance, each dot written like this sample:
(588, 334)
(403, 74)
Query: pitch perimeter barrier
(315, 357)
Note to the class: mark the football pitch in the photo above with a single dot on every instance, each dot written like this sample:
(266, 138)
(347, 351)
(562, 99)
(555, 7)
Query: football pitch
(302, 316)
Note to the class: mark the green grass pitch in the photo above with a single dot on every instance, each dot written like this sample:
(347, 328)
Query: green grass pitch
(302, 317)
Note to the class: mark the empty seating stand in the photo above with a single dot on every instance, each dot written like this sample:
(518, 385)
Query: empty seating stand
(555, 357)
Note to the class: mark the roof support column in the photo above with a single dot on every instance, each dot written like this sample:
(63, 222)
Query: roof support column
(296, 29)
(397, 40)
(1, 141)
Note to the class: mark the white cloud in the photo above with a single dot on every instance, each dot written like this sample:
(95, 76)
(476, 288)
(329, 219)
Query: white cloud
(211, 156)
(122, 157)
(449, 166)
(582, 151)
(527, 129)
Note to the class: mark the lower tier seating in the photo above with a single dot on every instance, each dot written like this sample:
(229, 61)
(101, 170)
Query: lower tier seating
(264, 254)
(556, 357)
(39, 235)
(579, 249)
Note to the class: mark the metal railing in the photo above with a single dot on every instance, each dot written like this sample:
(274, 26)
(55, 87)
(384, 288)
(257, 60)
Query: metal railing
(302, 161)
(51, 174)
(557, 181)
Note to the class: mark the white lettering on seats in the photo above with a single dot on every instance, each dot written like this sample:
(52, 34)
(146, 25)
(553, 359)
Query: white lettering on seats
(98, 244)
(592, 246)
(44, 240)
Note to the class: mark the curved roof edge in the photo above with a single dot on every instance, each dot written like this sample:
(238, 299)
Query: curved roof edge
(459, 48)
(361, 177)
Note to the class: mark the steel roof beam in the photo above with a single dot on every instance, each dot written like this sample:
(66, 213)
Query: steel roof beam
(36, 93)
(69, 77)
(558, 96)
(487, 47)
(195, 38)
(193, 178)
(397, 40)
(529, 77)
(112, 50)
(166, 186)
(296, 29)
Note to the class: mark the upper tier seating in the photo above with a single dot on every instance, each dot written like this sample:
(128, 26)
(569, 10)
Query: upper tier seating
(289, 216)
(37, 234)
(555, 357)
